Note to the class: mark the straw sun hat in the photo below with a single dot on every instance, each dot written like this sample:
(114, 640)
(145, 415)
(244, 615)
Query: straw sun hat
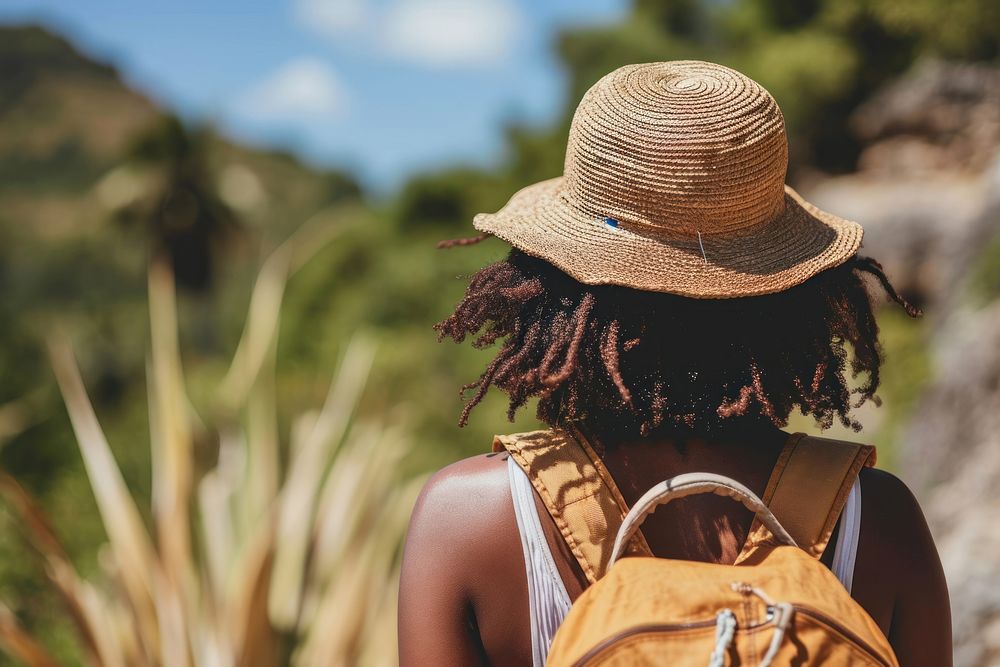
(674, 181)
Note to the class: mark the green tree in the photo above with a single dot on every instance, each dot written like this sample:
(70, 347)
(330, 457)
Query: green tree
(188, 224)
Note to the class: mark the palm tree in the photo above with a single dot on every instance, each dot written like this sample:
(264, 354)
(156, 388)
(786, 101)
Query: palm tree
(187, 223)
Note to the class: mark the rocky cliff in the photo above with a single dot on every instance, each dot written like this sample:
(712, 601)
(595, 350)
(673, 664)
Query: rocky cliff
(928, 193)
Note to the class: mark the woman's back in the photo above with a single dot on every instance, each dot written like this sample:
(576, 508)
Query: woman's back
(464, 568)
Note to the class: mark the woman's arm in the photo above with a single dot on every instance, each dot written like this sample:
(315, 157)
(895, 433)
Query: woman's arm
(463, 591)
(920, 629)
(436, 622)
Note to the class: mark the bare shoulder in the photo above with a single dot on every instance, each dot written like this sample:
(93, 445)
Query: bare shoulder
(487, 469)
(463, 510)
(884, 492)
(475, 486)
(894, 528)
(899, 577)
(463, 588)
(890, 507)
(462, 540)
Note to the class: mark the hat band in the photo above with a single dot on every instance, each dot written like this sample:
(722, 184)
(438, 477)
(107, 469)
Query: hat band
(687, 232)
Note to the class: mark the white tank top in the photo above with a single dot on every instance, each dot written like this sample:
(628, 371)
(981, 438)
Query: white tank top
(548, 601)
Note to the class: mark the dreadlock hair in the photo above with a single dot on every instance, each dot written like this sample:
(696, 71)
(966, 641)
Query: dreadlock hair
(634, 360)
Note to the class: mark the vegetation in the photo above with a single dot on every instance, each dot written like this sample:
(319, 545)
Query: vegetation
(97, 185)
(245, 566)
(984, 278)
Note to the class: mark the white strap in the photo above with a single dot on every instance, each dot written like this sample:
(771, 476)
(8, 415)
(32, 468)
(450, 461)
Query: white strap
(846, 553)
(548, 601)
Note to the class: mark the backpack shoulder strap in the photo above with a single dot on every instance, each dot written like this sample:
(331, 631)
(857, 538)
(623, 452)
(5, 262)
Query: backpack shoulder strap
(577, 491)
(808, 489)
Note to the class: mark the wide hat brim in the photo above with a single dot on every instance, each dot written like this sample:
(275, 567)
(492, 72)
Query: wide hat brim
(794, 246)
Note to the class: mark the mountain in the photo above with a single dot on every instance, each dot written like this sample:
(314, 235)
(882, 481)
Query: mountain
(67, 121)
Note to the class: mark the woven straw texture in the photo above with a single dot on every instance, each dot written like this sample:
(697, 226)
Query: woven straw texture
(674, 181)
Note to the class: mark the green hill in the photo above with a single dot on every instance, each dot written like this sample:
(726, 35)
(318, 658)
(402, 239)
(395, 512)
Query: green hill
(67, 120)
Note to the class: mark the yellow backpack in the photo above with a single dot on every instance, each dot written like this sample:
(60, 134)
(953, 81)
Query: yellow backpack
(777, 605)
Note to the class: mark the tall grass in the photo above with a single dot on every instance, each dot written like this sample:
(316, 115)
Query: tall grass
(282, 551)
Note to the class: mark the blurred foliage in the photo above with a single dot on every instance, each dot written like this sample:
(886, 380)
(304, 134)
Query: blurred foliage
(186, 221)
(246, 565)
(95, 179)
(984, 276)
(906, 373)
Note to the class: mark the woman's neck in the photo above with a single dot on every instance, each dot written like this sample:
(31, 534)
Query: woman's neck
(729, 433)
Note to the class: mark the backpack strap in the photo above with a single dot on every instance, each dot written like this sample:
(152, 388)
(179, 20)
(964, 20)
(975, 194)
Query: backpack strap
(578, 492)
(808, 489)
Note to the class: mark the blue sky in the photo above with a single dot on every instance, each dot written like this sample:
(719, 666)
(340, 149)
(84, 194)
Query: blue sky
(383, 87)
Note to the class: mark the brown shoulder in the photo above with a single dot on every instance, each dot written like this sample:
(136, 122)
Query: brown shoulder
(894, 525)
(463, 570)
(465, 513)
(474, 485)
(899, 578)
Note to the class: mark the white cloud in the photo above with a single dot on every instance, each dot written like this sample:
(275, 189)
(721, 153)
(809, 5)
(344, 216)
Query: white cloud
(430, 33)
(332, 17)
(301, 89)
(450, 33)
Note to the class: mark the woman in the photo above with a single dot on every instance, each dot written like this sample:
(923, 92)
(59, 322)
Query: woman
(668, 302)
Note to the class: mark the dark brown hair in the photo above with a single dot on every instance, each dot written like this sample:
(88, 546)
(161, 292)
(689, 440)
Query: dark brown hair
(634, 361)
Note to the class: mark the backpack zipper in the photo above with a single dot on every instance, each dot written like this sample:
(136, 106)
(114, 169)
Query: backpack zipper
(695, 625)
(840, 629)
(641, 630)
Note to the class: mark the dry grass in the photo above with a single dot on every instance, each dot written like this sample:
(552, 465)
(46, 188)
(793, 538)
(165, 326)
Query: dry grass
(249, 562)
